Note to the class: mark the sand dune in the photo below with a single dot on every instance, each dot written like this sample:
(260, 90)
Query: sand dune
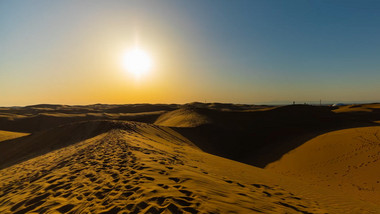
(6, 135)
(87, 159)
(142, 168)
(358, 108)
(262, 136)
(345, 160)
(39, 121)
(183, 117)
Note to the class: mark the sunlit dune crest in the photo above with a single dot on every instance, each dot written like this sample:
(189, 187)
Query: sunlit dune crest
(6, 135)
(184, 117)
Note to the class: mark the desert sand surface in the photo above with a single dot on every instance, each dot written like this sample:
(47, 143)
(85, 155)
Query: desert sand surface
(346, 160)
(184, 159)
(141, 168)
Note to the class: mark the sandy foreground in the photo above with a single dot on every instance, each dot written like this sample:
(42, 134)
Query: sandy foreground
(143, 168)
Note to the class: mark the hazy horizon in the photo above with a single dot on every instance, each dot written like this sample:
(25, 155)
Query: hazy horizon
(253, 52)
(274, 103)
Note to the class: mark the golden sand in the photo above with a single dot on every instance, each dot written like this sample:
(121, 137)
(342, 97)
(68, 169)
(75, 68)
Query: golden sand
(143, 168)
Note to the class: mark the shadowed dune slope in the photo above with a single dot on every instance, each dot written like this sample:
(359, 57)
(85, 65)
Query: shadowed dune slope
(346, 160)
(225, 106)
(131, 167)
(136, 108)
(259, 137)
(80, 109)
(40, 117)
(45, 120)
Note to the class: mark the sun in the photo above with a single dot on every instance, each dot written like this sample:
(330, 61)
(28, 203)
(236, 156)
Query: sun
(137, 61)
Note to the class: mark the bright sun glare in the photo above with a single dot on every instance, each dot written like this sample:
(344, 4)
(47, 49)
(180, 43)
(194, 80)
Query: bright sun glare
(137, 61)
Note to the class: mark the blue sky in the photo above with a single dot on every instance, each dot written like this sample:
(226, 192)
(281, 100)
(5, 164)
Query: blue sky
(218, 51)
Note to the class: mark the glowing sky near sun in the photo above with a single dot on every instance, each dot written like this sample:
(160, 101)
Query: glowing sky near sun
(227, 51)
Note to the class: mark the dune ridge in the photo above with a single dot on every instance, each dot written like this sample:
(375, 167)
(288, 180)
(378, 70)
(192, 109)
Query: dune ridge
(17, 150)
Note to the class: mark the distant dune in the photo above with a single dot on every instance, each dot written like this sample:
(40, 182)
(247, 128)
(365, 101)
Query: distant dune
(183, 117)
(358, 108)
(41, 117)
(6, 135)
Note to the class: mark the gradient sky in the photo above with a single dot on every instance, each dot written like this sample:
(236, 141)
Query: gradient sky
(69, 52)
